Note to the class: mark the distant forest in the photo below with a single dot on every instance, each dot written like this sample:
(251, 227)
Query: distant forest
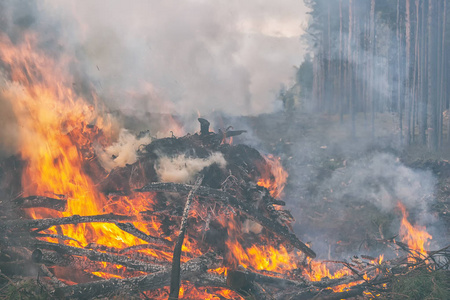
(376, 56)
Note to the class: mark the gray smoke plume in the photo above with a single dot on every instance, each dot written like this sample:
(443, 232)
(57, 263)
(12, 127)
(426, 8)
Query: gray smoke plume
(179, 58)
(182, 57)
(383, 181)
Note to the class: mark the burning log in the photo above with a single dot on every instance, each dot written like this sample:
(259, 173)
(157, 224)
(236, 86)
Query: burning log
(192, 268)
(42, 224)
(246, 286)
(228, 200)
(131, 229)
(40, 201)
(98, 256)
(175, 275)
(204, 126)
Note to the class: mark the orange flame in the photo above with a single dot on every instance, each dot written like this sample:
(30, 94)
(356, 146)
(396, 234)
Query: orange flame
(318, 270)
(415, 236)
(273, 176)
(54, 130)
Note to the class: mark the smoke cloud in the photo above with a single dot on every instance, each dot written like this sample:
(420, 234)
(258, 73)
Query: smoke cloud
(381, 180)
(188, 56)
(182, 169)
(122, 152)
(181, 58)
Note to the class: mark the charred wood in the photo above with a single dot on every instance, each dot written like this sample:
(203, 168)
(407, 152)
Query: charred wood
(270, 280)
(176, 269)
(157, 280)
(245, 285)
(40, 201)
(42, 224)
(226, 199)
(131, 229)
(99, 256)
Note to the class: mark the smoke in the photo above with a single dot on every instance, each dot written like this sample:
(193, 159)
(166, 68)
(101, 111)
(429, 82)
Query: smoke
(9, 126)
(182, 169)
(381, 180)
(171, 57)
(122, 152)
(183, 57)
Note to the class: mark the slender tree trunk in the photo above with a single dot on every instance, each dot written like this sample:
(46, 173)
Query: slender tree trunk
(341, 106)
(441, 73)
(399, 75)
(372, 67)
(416, 72)
(350, 69)
(423, 76)
(408, 59)
(432, 103)
(328, 85)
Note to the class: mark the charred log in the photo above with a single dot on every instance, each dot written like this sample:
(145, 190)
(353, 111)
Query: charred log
(157, 280)
(97, 256)
(131, 229)
(175, 274)
(40, 201)
(42, 224)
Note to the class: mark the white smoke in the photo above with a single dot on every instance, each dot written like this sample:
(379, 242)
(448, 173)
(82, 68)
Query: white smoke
(182, 169)
(187, 56)
(122, 152)
(383, 181)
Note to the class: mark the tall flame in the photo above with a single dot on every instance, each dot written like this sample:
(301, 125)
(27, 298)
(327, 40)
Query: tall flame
(48, 110)
(415, 236)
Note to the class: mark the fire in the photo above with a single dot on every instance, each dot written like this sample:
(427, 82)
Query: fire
(415, 236)
(317, 270)
(274, 177)
(57, 130)
(190, 292)
(259, 257)
(56, 124)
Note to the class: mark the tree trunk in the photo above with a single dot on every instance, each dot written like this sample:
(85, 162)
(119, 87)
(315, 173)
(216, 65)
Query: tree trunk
(341, 106)
(399, 76)
(408, 101)
(372, 54)
(423, 79)
(350, 69)
(432, 103)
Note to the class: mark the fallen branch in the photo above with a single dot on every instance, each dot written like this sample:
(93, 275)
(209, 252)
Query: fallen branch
(176, 269)
(40, 201)
(42, 224)
(153, 281)
(227, 199)
(131, 229)
(270, 280)
(52, 258)
(99, 256)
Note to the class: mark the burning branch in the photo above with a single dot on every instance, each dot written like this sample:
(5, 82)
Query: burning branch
(40, 201)
(192, 268)
(226, 199)
(42, 224)
(175, 275)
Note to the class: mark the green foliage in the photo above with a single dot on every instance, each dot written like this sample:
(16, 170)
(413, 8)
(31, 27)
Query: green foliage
(304, 76)
(421, 284)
